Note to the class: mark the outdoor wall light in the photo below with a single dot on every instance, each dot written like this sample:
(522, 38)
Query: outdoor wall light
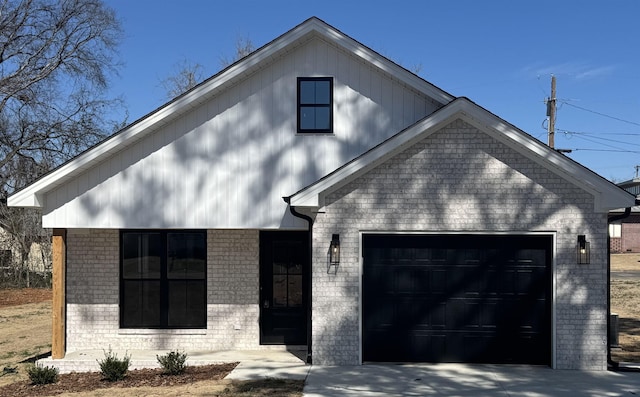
(334, 253)
(583, 251)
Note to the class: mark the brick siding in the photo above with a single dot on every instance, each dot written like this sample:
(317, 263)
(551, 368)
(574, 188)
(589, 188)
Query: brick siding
(460, 179)
(616, 245)
(456, 180)
(93, 296)
(630, 237)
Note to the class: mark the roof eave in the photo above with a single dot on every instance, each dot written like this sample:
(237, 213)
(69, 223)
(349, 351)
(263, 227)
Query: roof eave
(314, 194)
(30, 196)
(607, 196)
(25, 200)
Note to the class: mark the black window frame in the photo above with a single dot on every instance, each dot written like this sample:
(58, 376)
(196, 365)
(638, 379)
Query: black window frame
(329, 106)
(165, 280)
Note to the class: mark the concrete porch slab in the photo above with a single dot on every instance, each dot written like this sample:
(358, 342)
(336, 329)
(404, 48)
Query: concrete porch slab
(254, 364)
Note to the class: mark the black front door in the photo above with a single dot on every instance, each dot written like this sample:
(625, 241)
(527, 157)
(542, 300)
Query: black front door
(284, 270)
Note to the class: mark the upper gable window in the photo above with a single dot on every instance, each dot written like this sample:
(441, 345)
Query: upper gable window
(315, 105)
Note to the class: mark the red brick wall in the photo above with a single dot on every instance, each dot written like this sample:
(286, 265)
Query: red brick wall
(630, 237)
(616, 245)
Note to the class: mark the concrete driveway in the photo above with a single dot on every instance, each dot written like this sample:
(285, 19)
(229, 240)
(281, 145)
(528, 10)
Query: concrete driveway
(466, 380)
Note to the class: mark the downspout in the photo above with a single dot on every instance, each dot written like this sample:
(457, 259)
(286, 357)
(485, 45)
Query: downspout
(309, 272)
(612, 365)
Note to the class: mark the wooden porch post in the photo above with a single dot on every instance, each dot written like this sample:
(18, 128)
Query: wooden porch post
(59, 256)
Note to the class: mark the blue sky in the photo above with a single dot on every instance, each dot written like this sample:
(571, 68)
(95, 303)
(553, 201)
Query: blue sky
(499, 54)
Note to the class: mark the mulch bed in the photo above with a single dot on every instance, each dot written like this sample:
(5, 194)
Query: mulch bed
(87, 381)
(23, 296)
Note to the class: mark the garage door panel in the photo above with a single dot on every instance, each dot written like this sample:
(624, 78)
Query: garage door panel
(438, 315)
(489, 313)
(472, 316)
(435, 344)
(438, 281)
(456, 298)
(472, 347)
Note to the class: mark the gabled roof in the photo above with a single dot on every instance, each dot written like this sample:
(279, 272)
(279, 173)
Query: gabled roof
(31, 196)
(607, 195)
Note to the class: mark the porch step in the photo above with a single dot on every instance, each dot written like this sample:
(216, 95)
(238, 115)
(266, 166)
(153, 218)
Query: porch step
(87, 360)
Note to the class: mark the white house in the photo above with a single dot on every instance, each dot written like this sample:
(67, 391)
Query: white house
(215, 222)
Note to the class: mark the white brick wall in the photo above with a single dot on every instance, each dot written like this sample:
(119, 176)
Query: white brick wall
(456, 180)
(93, 295)
(459, 179)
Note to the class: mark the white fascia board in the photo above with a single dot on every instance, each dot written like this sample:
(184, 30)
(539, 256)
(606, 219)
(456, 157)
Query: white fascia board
(386, 65)
(25, 200)
(313, 196)
(28, 197)
(607, 195)
(138, 129)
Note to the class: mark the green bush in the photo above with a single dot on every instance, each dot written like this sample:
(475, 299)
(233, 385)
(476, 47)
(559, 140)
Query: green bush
(40, 375)
(114, 368)
(173, 363)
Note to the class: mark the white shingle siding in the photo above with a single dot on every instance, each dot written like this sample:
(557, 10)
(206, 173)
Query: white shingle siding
(459, 179)
(93, 295)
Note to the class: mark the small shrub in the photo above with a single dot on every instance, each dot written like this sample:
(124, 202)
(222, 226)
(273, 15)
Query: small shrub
(40, 375)
(173, 363)
(114, 368)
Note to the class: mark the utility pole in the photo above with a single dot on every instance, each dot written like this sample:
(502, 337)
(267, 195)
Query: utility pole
(551, 112)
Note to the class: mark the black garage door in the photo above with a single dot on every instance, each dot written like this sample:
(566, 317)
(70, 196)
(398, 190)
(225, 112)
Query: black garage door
(457, 298)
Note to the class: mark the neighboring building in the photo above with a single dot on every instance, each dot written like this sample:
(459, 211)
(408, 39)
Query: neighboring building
(216, 221)
(11, 257)
(625, 233)
(632, 186)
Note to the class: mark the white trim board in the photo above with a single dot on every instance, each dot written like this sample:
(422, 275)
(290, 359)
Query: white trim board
(607, 196)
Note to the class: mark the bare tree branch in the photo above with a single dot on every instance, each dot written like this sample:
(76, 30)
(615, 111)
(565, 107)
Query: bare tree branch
(56, 57)
(244, 46)
(187, 74)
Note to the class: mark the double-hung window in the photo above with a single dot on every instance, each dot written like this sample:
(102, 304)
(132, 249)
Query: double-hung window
(315, 105)
(163, 279)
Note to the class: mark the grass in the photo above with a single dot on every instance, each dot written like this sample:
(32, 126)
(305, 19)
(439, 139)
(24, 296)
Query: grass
(625, 301)
(25, 333)
(8, 355)
(26, 330)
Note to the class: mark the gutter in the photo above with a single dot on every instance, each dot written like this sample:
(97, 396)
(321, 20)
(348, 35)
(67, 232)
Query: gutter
(309, 272)
(612, 365)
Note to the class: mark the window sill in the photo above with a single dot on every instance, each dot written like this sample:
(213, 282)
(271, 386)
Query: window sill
(315, 134)
(144, 331)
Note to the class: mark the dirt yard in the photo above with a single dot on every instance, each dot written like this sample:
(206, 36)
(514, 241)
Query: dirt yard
(625, 301)
(25, 336)
(25, 330)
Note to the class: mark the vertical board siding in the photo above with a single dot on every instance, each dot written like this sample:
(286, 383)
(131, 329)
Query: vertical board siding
(228, 162)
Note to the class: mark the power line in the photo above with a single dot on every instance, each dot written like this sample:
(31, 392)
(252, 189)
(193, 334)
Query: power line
(598, 133)
(606, 150)
(613, 149)
(595, 136)
(601, 114)
(602, 144)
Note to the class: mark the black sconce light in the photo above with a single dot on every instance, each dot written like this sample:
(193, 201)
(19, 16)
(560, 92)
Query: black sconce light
(334, 253)
(583, 251)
